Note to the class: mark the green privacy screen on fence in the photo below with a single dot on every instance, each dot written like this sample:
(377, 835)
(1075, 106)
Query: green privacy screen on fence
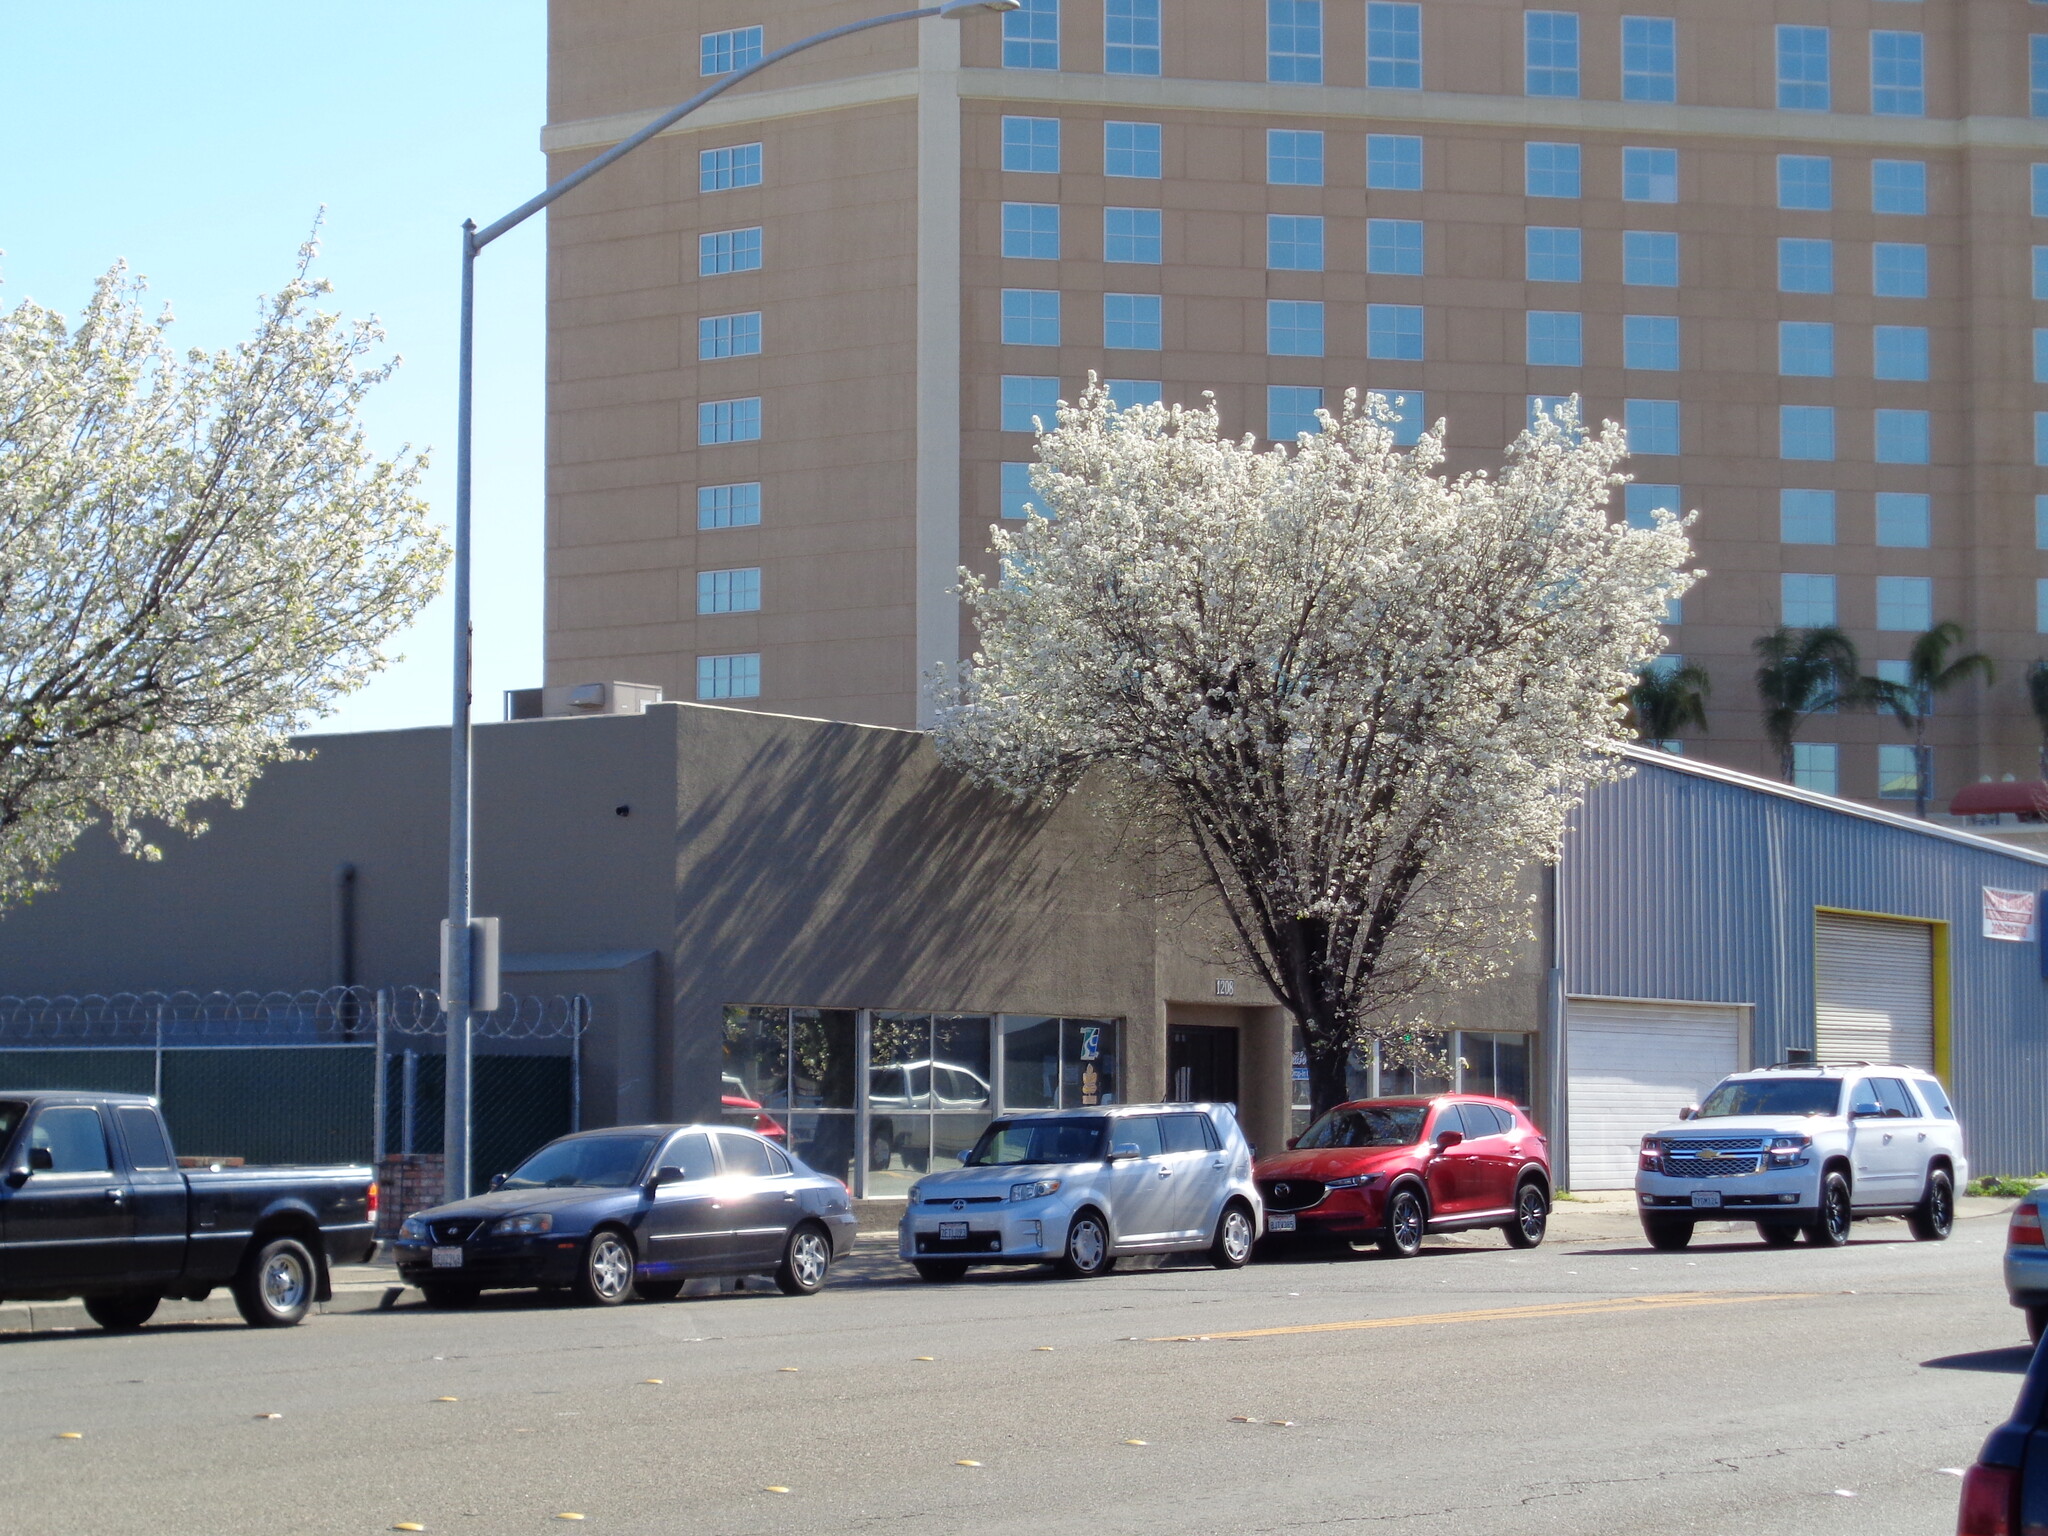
(522, 1102)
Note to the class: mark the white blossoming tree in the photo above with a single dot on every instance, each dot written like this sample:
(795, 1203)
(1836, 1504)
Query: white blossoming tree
(197, 553)
(1354, 698)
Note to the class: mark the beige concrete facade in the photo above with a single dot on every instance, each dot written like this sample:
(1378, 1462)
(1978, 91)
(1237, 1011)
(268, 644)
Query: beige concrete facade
(882, 355)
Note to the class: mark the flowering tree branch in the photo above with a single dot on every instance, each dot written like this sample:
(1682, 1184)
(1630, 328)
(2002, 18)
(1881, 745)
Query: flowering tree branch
(1360, 698)
(197, 554)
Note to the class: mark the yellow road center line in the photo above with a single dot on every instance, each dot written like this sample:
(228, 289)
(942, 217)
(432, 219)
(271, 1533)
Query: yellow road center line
(1505, 1314)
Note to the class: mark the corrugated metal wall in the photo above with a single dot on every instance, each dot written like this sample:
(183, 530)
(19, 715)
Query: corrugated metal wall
(1679, 883)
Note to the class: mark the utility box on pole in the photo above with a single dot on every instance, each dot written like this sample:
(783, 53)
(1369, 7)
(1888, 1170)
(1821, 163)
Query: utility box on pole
(484, 995)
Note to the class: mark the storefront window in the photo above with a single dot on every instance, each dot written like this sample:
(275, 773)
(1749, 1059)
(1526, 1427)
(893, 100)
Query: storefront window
(1495, 1064)
(1409, 1064)
(929, 1093)
(756, 1057)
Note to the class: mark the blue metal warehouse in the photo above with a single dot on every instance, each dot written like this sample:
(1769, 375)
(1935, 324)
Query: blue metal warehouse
(1709, 920)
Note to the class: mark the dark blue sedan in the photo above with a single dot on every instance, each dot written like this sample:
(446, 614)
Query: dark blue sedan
(636, 1209)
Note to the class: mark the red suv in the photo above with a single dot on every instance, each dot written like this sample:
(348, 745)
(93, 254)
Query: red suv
(1389, 1170)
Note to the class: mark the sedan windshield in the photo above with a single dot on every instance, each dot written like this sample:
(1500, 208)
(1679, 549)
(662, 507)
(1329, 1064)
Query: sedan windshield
(1773, 1096)
(1371, 1125)
(1038, 1141)
(594, 1162)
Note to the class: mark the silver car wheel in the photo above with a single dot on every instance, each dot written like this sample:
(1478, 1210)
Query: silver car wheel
(809, 1259)
(284, 1283)
(611, 1266)
(1237, 1235)
(1088, 1244)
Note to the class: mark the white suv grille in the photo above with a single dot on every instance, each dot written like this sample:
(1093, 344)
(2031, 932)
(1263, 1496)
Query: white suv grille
(1714, 1157)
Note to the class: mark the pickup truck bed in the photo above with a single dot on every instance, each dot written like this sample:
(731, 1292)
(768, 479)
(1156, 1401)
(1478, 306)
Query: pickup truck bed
(93, 1205)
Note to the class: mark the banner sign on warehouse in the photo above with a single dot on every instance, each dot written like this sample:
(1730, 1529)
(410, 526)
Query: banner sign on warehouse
(2009, 915)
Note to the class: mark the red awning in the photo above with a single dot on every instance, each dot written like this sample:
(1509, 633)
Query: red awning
(2028, 799)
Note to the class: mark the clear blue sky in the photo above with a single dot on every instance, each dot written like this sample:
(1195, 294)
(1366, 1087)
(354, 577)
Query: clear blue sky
(197, 142)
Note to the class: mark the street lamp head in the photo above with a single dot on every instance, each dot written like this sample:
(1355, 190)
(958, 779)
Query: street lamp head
(959, 9)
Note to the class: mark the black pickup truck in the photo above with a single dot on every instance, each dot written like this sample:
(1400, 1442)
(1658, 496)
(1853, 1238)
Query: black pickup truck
(94, 1205)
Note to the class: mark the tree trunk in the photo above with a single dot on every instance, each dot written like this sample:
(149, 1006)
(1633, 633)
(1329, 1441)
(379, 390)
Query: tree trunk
(1329, 1081)
(1920, 784)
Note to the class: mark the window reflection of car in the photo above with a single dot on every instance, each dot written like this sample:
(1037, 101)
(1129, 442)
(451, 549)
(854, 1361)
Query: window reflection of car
(917, 1088)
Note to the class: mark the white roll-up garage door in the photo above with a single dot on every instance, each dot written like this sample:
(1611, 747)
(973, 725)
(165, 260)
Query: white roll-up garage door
(1873, 990)
(1633, 1066)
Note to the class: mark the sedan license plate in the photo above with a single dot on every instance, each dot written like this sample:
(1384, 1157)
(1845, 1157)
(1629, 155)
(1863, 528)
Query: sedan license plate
(447, 1258)
(1706, 1199)
(952, 1231)
(1276, 1222)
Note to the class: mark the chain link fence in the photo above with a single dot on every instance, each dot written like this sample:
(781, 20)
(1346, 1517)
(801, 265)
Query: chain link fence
(344, 1075)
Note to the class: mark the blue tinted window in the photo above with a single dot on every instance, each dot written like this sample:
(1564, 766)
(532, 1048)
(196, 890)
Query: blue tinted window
(1650, 342)
(1130, 37)
(1898, 74)
(1649, 58)
(1291, 410)
(1131, 149)
(1031, 35)
(1551, 170)
(1806, 432)
(720, 53)
(1649, 258)
(1649, 175)
(1393, 162)
(1133, 321)
(1394, 331)
(1394, 246)
(1551, 255)
(1031, 144)
(1898, 271)
(1132, 235)
(1806, 266)
(1898, 186)
(1294, 157)
(1803, 79)
(1904, 519)
(1031, 231)
(1031, 317)
(1393, 46)
(1025, 398)
(1806, 349)
(1294, 41)
(1294, 243)
(1806, 181)
(1556, 339)
(1652, 426)
(728, 250)
(1806, 517)
(1551, 43)
(1902, 437)
(1294, 328)
(1900, 352)
(720, 170)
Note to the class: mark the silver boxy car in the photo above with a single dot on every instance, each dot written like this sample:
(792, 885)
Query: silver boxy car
(1082, 1187)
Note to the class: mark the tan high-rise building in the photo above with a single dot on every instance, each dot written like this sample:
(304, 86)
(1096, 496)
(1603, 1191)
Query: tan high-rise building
(1791, 244)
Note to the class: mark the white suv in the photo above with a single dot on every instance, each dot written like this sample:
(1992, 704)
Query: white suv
(1807, 1149)
(1080, 1187)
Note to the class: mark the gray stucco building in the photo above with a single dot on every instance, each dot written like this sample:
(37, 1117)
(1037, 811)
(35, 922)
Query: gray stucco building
(821, 919)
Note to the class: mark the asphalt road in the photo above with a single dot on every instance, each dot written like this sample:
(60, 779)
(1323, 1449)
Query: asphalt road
(1589, 1387)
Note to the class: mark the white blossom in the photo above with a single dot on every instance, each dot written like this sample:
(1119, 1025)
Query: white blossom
(197, 554)
(1357, 697)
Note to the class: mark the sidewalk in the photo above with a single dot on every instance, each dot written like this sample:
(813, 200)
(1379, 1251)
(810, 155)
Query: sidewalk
(1609, 1215)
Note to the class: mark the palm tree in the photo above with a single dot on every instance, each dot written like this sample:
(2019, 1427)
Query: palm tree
(2037, 695)
(1929, 672)
(1803, 672)
(1664, 700)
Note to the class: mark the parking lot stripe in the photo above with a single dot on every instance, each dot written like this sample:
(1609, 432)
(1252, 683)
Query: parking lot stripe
(1505, 1314)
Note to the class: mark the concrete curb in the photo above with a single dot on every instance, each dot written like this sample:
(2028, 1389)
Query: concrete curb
(70, 1316)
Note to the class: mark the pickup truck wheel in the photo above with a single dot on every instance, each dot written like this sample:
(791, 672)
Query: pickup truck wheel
(1777, 1234)
(275, 1287)
(1402, 1238)
(1668, 1234)
(1532, 1216)
(1830, 1225)
(606, 1278)
(119, 1314)
(1934, 1217)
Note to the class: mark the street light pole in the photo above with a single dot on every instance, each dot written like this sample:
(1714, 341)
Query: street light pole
(458, 963)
